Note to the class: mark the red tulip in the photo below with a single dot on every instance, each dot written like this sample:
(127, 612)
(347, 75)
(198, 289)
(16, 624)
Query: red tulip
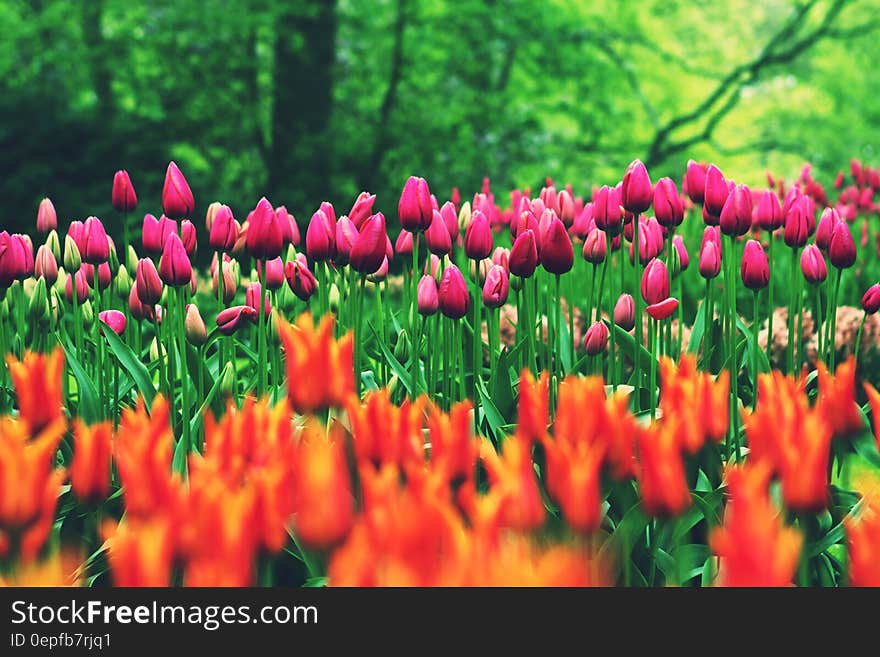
(710, 259)
(123, 197)
(428, 299)
(96, 247)
(625, 312)
(437, 236)
(663, 309)
(415, 209)
(177, 197)
(450, 218)
(369, 248)
(403, 246)
(695, 181)
(45, 265)
(265, 237)
(252, 298)
(668, 207)
(754, 269)
(636, 191)
(224, 231)
(114, 319)
(362, 209)
(871, 299)
(478, 237)
(683, 258)
(105, 276)
(300, 279)
(274, 274)
(346, 236)
(595, 246)
(174, 265)
(82, 287)
(230, 319)
(496, 287)
(524, 254)
(557, 254)
(655, 282)
(736, 214)
(842, 249)
(453, 295)
(596, 339)
(148, 283)
(47, 219)
(768, 213)
(321, 237)
(716, 191)
(813, 264)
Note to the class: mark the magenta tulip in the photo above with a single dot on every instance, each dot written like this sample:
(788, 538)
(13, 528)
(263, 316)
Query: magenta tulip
(829, 219)
(683, 257)
(122, 196)
(45, 265)
(478, 237)
(346, 236)
(252, 298)
(453, 294)
(595, 246)
(437, 236)
(716, 191)
(695, 181)
(229, 320)
(105, 276)
(768, 213)
(655, 282)
(300, 279)
(265, 236)
(736, 214)
(415, 208)
(557, 253)
(224, 231)
(428, 298)
(668, 207)
(362, 209)
(155, 232)
(754, 268)
(96, 247)
(369, 248)
(842, 249)
(450, 218)
(501, 256)
(82, 287)
(403, 245)
(796, 231)
(273, 276)
(321, 237)
(47, 219)
(871, 299)
(625, 312)
(496, 287)
(524, 254)
(177, 197)
(148, 282)
(175, 268)
(606, 210)
(663, 309)
(596, 339)
(114, 319)
(636, 192)
(813, 265)
(710, 259)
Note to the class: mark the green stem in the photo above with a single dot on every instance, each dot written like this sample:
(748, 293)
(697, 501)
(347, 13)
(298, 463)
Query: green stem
(859, 336)
(832, 332)
(789, 350)
(184, 383)
(358, 335)
(654, 328)
(261, 332)
(755, 354)
(99, 344)
(556, 348)
(380, 320)
(770, 307)
(638, 305)
(477, 341)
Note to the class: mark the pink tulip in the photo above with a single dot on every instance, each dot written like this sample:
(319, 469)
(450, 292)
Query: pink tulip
(415, 209)
(321, 237)
(796, 231)
(496, 287)
(683, 258)
(595, 246)
(300, 279)
(501, 256)
(655, 282)
(842, 249)
(177, 197)
(82, 287)
(768, 213)
(362, 209)
(478, 237)
(403, 246)
(346, 236)
(453, 295)
(47, 219)
(566, 208)
(813, 265)
(557, 253)
(710, 259)
(45, 265)
(289, 229)
(668, 206)
(596, 339)
(754, 268)
(223, 231)
(96, 247)
(122, 196)
(695, 181)
(437, 237)
(155, 232)
(428, 298)
(636, 190)
(369, 248)
(149, 284)
(105, 276)
(188, 237)
(716, 191)
(663, 309)
(871, 299)
(175, 268)
(114, 319)
(450, 218)
(265, 238)
(252, 298)
(736, 214)
(625, 312)
(381, 273)
(274, 273)
(524, 254)
(229, 320)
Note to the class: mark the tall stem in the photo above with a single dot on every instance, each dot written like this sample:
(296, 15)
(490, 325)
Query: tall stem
(261, 331)
(99, 343)
(755, 354)
(789, 352)
(859, 337)
(770, 307)
(477, 341)
(184, 382)
(654, 328)
(638, 305)
(832, 331)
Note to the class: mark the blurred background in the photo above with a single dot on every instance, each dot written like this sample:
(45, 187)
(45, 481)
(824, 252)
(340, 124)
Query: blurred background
(317, 99)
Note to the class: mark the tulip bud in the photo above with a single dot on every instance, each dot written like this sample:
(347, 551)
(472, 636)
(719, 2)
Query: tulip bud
(230, 319)
(450, 218)
(403, 246)
(595, 246)
(871, 299)
(453, 294)
(273, 276)
(88, 315)
(668, 207)
(625, 312)
(501, 256)
(524, 254)
(636, 193)
(362, 208)
(496, 287)
(225, 276)
(188, 237)
(557, 254)
(47, 219)
(265, 238)
(437, 236)
(813, 264)
(300, 279)
(716, 191)
(565, 201)
(695, 181)
(334, 299)
(655, 282)
(148, 283)
(754, 268)
(346, 236)
(177, 197)
(478, 237)
(596, 339)
(415, 208)
(122, 196)
(796, 229)
(368, 251)
(121, 283)
(211, 215)
(45, 265)
(401, 347)
(96, 248)
(252, 298)
(768, 213)
(606, 210)
(736, 214)
(174, 265)
(54, 245)
(710, 260)
(680, 251)
(464, 216)
(194, 326)
(428, 299)
(82, 287)
(114, 319)
(321, 237)
(662, 310)
(38, 305)
(842, 249)
(227, 380)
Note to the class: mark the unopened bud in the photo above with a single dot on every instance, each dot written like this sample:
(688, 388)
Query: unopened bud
(72, 257)
(194, 326)
(54, 244)
(464, 216)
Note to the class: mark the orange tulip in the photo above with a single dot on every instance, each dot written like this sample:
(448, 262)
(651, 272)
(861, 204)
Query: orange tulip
(533, 405)
(320, 370)
(37, 380)
(696, 399)
(755, 546)
(512, 475)
(837, 399)
(386, 433)
(90, 470)
(863, 535)
(453, 448)
(661, 476)
(140, 552)
(874, 401)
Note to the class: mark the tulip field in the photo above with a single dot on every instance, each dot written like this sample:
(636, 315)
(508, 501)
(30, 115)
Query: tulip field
(650, 383)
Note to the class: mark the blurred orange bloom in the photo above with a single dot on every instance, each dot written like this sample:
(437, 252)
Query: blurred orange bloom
(696, 399)
(90, 469)
(874, 401)
(793, 438)
(324, 500)
(512, 476)
(863, 536)
(140, 551)
(29, 485)
(60, 569)
(661, 477)
(37, 379)
(386, 433)
(453, 447)
(320, 369)
(534, 414)
(837, 399)
(755, 546)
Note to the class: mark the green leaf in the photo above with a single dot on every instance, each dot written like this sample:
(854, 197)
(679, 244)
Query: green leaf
(133, 366)
(493, 416)
(313, 582)
(708, 574)
(627, 344)
(399, 369)
(696, 338)
(627, 534)
(88, 405)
